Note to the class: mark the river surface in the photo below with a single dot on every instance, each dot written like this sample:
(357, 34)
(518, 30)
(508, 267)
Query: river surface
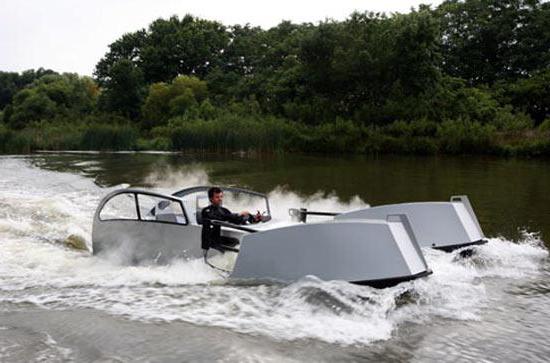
(61, 304)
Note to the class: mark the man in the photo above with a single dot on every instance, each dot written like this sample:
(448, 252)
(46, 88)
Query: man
(211, 234)
(215, 211)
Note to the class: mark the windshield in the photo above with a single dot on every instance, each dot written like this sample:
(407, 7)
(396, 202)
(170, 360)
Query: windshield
(234, 199)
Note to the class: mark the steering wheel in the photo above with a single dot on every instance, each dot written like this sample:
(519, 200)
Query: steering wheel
(259, 217)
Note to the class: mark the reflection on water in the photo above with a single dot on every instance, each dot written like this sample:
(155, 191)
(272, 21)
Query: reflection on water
(508, 195)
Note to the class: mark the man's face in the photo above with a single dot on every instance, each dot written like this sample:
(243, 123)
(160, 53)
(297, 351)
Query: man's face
(217, 198)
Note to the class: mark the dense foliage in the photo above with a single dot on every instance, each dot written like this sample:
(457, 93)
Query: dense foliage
(469, 76)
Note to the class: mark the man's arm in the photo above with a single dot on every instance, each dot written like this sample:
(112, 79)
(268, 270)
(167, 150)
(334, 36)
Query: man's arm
(223, 214)
(234, 218)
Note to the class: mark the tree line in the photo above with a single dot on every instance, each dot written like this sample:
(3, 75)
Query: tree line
(468, 76)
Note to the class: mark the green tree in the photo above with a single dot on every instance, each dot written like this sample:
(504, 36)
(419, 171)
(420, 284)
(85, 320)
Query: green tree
(11, 82)
(124, 90)
(359, 67)
(53, 95)
(176, 98)
(489, 40)
(168, 48)
(30, 105)
(530, 95)
(128, 47)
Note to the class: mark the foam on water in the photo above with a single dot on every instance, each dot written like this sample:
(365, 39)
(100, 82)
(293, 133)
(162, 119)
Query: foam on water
(31, 347)
(40, 209)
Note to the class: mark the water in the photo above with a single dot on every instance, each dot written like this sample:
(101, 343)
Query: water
(62, 304)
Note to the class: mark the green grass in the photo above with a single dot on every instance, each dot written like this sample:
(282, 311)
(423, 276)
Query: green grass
(66, 135)
(233, 132)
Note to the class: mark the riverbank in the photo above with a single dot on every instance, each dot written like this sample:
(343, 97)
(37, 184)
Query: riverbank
(271, 134)
(432, 81)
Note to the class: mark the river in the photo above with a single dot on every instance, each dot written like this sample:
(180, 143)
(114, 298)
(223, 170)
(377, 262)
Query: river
(60, 304)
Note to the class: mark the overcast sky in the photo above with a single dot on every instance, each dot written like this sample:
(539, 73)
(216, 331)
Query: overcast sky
(71, 35)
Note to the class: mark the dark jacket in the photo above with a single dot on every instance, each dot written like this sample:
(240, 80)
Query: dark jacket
(211, 234)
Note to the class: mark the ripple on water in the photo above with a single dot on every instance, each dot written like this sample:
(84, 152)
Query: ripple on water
(474, 294)
(24, 345)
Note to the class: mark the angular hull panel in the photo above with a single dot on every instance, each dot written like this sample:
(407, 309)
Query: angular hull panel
(442, 225)
(352, 250)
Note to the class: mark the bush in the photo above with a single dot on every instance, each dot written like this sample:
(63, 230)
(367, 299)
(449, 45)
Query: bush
(228, 132)
(55, 135)
(398, 129)
(157, 143)
(505, 120)
(545, 125)
(109, 137)
(13, 142)
(465, 137)
(537, 148)
(341, 136)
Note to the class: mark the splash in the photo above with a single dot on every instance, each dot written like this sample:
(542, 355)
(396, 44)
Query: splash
(282, 200)
(40, 209)
(170, 180)
(506, 259)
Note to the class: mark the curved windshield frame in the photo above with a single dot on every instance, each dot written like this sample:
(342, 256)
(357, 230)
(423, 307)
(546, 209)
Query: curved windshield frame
(154, 210)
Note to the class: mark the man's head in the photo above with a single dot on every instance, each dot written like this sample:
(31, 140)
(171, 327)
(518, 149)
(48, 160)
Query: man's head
(215, 195)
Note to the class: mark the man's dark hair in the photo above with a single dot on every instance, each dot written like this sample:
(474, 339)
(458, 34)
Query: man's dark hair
(212, 191)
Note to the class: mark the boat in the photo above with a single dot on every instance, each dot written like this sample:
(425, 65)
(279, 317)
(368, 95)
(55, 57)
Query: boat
(138, 226)
(445, 226)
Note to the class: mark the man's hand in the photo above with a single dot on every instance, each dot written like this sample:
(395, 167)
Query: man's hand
(258, 217)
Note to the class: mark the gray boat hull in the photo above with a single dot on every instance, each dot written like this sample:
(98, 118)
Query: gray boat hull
(359, 251)
(441, 225)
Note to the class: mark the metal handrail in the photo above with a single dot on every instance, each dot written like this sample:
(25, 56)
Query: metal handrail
(330, 214)
(302, 214)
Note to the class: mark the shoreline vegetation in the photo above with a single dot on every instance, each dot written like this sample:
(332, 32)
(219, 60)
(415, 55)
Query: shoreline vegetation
(468, 77)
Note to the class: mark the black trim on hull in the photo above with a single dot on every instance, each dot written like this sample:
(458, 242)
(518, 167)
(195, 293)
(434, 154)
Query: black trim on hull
(451, 248)
(383, 283)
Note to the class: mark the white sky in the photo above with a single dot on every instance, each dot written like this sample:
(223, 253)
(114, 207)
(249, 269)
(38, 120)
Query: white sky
(71, 36)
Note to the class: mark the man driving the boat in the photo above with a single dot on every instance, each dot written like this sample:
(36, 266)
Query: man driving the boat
(215, 211)
(211, 234)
